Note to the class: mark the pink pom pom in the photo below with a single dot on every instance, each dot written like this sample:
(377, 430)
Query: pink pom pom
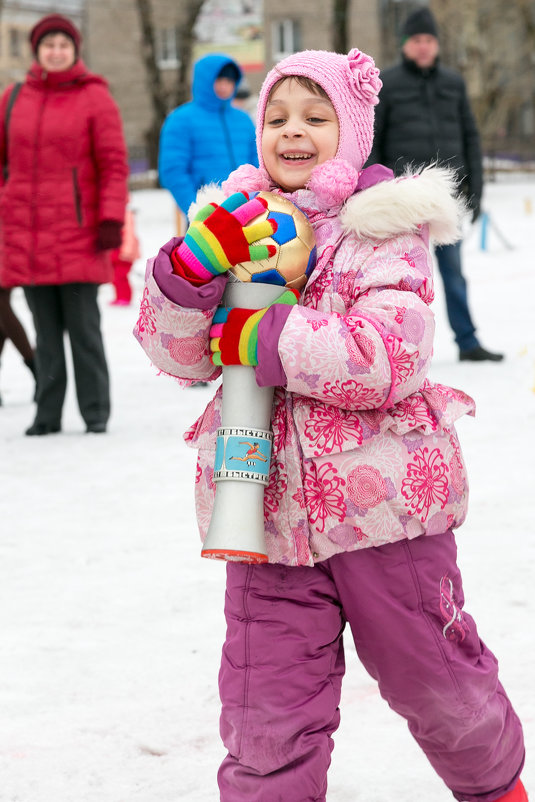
(333, 182)
(247, 178)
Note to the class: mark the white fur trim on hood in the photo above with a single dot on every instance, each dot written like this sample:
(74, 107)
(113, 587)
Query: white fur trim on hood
(403, 204)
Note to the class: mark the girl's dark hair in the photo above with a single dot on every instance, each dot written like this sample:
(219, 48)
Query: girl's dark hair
(302, 80)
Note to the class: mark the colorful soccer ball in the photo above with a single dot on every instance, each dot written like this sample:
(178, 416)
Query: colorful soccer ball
(296, 246)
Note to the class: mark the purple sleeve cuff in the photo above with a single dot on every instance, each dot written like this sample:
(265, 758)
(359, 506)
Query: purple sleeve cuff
(269, 372)
(178, 289)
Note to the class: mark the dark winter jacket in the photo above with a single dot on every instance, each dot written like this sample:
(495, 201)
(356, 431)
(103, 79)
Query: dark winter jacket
(67, 172)
(206, 139)
(424, 116)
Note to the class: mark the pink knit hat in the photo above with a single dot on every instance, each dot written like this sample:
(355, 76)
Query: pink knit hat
(352, 84)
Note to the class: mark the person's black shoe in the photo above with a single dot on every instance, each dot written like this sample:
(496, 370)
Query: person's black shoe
(479, 354)
(40, 429)
(96, 428)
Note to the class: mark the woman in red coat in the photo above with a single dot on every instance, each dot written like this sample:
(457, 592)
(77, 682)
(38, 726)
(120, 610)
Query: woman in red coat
(61, 212)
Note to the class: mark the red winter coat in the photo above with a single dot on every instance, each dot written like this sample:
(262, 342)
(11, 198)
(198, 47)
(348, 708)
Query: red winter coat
(67, 171)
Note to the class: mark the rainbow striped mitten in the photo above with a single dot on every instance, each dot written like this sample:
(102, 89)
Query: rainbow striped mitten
(234, 333)
(219, 237)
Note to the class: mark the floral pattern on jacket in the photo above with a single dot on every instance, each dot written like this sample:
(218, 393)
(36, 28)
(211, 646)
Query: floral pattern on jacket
(365, 450)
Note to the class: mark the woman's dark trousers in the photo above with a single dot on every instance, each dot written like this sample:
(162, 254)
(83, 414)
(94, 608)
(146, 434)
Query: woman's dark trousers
(70, 308)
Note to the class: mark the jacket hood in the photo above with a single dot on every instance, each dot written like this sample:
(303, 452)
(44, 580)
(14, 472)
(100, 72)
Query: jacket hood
(77, 74)
(205, 72)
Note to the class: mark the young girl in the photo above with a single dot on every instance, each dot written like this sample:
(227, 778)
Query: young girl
(367, 479)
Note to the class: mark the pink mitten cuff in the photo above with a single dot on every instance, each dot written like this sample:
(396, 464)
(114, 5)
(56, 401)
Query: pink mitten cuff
(269, 371)
(179, 290)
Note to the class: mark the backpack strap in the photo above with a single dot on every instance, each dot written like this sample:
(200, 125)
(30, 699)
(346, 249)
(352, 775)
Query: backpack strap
(10, 103)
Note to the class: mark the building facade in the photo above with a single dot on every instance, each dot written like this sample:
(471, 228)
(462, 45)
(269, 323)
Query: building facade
(254, 32)
(479, 39)
(114, 49)
(292, 25)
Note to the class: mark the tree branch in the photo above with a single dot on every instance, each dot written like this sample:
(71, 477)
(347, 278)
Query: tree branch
(340, 15)
(185, 42)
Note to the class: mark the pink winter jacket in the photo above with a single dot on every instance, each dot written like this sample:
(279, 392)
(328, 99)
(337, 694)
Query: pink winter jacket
(365, 450)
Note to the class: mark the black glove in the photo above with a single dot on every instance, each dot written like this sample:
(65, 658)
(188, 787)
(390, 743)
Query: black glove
(109, 235)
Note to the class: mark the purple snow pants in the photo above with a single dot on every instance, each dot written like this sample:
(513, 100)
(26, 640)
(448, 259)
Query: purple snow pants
(283, 662)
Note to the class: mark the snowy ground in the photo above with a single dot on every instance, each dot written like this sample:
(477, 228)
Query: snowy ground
(112, 624)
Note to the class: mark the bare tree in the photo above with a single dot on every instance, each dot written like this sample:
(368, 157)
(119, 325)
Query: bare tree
(341, 11)
(162, 98)
(186, 41)
(157, 92)
(492, 43)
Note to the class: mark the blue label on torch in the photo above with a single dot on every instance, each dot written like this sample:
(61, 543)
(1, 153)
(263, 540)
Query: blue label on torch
(242, 453)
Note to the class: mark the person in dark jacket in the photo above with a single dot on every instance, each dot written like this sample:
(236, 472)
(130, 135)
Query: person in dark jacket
(61, 212)
(206, 139)
(424, 117)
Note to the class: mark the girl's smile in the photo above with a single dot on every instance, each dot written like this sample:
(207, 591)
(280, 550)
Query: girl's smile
(300, 131)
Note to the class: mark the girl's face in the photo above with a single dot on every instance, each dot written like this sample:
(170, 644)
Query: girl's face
(300, 131)
(56, 52)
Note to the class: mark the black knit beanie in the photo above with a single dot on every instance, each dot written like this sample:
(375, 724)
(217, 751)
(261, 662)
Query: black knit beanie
(420, 21)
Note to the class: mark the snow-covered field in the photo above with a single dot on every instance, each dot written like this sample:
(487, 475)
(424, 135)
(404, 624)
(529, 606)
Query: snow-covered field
(111, 625)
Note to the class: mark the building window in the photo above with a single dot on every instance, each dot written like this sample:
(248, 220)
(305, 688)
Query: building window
(14, 43)
(286, 35)
(167, 48)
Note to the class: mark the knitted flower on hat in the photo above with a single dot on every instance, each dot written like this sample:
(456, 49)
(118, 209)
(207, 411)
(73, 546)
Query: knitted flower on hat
(366, 82)
(352, 84)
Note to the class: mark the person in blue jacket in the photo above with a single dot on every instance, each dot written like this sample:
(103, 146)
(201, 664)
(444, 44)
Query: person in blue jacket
(207, 138)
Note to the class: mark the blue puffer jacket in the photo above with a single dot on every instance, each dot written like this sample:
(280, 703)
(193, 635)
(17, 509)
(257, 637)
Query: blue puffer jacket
(205, 139)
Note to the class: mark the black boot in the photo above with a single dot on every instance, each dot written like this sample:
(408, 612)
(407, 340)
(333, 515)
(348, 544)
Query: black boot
(479, 354)
(96, 428)
(40, 429)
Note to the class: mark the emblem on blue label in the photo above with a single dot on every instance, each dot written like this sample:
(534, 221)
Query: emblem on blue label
(242, 454)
